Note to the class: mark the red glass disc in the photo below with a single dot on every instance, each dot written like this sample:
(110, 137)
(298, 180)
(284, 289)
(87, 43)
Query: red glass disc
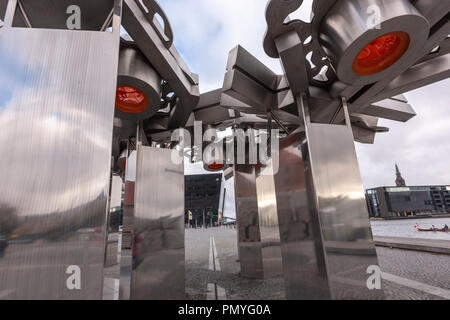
(381, 53)
(130, 99)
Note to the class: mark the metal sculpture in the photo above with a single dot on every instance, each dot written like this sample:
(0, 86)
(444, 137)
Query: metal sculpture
(343, 70)
(335, 85)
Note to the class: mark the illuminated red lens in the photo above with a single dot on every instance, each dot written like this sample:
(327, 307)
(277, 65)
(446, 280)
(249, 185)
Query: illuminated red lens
(381, 53)
(130, 99)
(215, 166)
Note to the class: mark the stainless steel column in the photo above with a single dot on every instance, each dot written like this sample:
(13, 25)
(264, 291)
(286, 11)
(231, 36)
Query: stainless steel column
(126, 259)
(336, 196)
(247, 220)
(115, 204)
(304, 268)
(268, 222)
(158, 249)
(257, 222)
(56, 115)
(325, 230)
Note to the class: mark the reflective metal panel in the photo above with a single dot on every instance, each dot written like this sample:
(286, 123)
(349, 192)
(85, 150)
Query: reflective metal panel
(56, 114)
(340, 206)
(127, 224)
(158, 250)
(268, 222)
(116, 192)
(53, 13)
(304, 269)
(249, 239)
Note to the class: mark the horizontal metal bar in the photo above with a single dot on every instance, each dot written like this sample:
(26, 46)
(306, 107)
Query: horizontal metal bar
(418, 76)
(444, 48)
(390, 109)
(433, 10)
(241, 87)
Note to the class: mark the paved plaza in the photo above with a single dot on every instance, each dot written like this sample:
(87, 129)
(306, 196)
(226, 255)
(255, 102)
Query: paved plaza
(411, 274)
(212, 271)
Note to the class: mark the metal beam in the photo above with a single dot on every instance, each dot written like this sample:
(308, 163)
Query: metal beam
(167, 62)
(418, 76)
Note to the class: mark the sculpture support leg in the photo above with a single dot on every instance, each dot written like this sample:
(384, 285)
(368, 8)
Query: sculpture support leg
(249, 239)
(158, 270)
(325, 230)
(257, 222)
(268, 222)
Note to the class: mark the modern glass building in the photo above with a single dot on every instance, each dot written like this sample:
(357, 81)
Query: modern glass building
(391, 202)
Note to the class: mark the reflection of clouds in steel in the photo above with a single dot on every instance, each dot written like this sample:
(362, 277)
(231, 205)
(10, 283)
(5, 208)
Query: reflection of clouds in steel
(56, 135)
(63, 180)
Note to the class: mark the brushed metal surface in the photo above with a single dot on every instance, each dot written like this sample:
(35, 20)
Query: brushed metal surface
(127, 223)
(167, 62)
(116, 192)
(268, 222)
(337, 200)
(136, 71)
(343, 46)
(53, 13)
(249, 238)
(325, 233)
(56, 113)
(304, 270)
(158, 252)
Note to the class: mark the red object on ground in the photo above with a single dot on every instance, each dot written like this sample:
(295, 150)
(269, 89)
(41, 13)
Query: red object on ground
(131, 100)
(381, 53)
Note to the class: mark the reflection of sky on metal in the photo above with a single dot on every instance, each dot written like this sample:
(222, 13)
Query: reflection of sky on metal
(420, 146)
(53, 123)
(57, 129)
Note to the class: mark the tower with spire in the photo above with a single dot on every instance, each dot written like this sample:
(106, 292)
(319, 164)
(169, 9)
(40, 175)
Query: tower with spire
(399, 181)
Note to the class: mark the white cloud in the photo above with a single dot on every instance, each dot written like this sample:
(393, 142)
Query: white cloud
(421, 147)
(206, 30)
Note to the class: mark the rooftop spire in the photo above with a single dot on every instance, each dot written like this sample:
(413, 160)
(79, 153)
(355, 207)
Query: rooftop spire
(400, 182)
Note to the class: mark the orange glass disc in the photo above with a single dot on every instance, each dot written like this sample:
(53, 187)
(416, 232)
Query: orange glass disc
(216, 166)
(381, 53)
(130, 99)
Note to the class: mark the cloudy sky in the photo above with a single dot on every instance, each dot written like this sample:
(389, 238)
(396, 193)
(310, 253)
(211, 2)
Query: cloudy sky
(206, 30)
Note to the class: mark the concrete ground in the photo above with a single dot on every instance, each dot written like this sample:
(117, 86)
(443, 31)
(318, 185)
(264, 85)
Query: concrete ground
(199, 272)
(212, 272)
(407, 275)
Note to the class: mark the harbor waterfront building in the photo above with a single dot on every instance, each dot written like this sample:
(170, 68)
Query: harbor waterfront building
(392, 202)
